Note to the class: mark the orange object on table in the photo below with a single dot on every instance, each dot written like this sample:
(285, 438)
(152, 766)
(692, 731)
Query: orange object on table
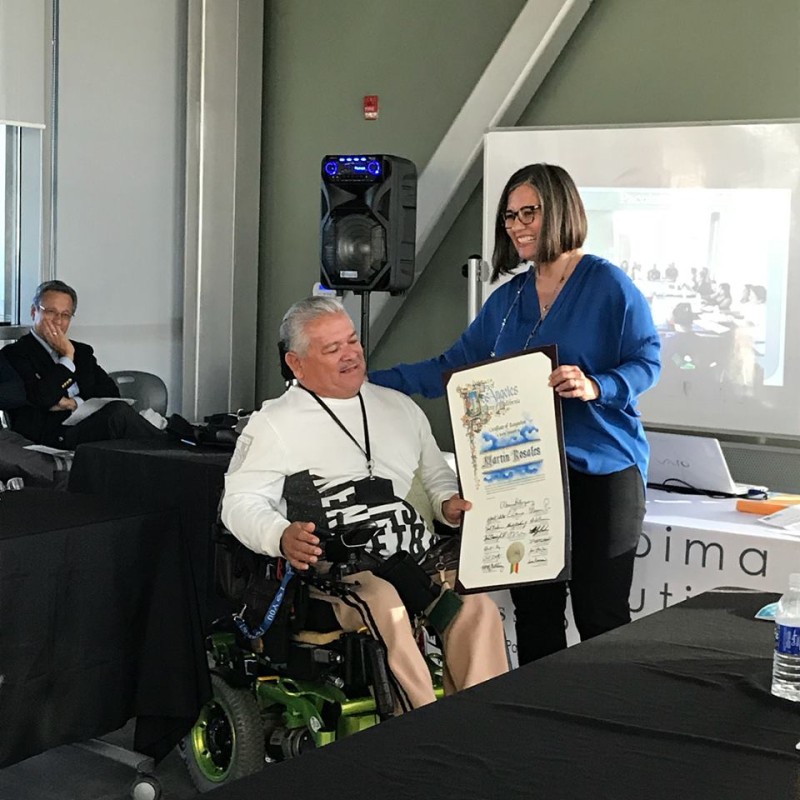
(775, 502)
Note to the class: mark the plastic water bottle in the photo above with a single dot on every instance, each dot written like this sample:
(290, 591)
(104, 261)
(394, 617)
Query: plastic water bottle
(786, 661)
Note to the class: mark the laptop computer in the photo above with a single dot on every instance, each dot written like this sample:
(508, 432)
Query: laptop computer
(692, 462)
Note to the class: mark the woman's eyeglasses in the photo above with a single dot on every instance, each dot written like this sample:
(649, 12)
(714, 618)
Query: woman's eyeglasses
(525, 215)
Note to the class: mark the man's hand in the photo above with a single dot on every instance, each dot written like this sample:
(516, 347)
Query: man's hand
(58, 340)
(299, 545)
(65, 404)
(454, 508)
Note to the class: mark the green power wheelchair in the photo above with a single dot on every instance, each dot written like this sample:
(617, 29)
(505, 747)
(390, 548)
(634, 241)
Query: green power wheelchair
(285, 677)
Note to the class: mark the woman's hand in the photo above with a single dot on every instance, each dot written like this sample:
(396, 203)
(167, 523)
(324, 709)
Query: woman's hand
(569, 381)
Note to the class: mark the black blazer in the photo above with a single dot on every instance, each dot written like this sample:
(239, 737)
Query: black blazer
(12, 392)
(46, 382)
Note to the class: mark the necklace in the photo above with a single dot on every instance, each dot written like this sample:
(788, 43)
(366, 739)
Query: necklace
(493, 351)
(544, 308)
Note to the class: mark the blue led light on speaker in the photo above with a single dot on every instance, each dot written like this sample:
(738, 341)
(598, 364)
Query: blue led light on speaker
(353, 167)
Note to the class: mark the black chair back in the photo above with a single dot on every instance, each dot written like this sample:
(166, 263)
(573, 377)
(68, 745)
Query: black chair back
(144, 388)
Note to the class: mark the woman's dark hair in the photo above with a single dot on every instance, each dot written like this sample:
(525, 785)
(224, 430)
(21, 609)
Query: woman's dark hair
(563, 217)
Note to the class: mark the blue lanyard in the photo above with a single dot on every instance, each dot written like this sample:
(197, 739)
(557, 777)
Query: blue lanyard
(272, 611)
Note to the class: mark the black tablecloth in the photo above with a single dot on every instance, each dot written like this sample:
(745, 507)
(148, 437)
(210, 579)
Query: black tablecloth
(98, 624)
(673, 706)
(169, 475)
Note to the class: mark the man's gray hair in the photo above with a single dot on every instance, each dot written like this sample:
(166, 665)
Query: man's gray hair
(55, 286)
(296, 320)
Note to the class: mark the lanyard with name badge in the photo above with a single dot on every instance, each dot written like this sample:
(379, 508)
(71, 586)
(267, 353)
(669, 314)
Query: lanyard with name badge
(375, 490)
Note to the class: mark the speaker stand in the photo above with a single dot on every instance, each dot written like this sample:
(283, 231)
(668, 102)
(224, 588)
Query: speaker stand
(365, 326)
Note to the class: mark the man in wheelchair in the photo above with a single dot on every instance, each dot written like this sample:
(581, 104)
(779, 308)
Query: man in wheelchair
(336, 453)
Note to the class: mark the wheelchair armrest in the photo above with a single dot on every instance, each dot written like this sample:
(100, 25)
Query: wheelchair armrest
(235, 564)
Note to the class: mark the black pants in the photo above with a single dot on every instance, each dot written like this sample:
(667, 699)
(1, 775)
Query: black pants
(112, 421)
(606, 512)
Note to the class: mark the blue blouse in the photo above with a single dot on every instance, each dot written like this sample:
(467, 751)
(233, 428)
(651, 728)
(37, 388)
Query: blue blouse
(601, 322)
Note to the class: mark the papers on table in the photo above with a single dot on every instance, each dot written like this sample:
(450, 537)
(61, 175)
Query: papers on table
(787, 519)
(88, 407)
(50, 451)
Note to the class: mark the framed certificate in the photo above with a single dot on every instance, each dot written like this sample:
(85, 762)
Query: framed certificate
(509, 449)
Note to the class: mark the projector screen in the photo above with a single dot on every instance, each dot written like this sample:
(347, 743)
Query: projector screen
(704, 219)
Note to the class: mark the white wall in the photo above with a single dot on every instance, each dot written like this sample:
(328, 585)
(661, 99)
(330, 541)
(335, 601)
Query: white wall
(120, 178)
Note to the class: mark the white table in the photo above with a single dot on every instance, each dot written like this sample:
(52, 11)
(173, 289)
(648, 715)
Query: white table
(689, 545)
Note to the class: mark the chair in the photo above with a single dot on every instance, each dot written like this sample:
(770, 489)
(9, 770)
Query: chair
(301, 684)
(144, 388)
(12, 391)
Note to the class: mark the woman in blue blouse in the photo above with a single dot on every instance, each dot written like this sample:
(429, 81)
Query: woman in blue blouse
(608, 349)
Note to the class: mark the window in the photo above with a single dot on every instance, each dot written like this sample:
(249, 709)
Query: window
(20, 222)
(6, 287)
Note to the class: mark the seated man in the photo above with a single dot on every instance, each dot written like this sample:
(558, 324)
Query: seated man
(59, 375)
(16, 460)
(335, 450)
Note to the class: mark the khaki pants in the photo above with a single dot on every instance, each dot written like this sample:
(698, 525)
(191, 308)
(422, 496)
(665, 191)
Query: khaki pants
(474, 642)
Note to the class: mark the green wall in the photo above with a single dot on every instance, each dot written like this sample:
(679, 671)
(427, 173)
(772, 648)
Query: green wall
(422, 57)
(630, 61)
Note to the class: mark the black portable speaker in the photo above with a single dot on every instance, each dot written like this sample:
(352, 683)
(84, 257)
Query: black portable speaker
(368, 224)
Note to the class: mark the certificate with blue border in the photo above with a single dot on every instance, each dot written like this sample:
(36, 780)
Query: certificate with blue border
(509, 449)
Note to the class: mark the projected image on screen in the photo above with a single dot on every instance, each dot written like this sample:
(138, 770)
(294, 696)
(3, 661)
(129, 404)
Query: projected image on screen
(704, 218)
(713, 265)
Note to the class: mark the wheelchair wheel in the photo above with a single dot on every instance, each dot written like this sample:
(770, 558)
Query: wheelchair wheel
(227, 741)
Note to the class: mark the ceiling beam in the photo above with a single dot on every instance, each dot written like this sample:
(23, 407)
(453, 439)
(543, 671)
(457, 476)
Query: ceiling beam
(504, 91)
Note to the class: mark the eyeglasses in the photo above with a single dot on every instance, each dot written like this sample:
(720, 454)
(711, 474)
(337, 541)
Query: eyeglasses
(51, 313)
(525, 215)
